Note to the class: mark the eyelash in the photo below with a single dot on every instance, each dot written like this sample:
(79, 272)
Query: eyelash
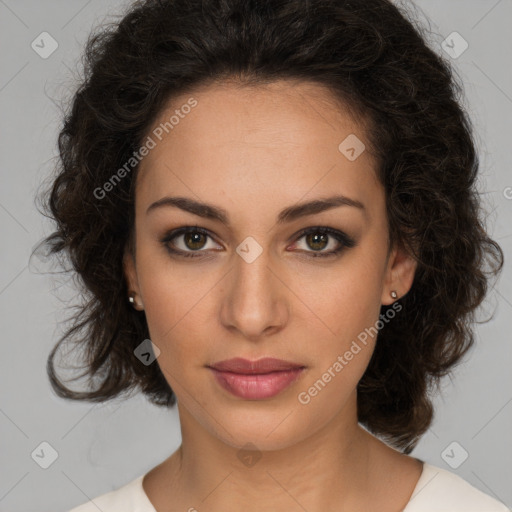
(344, 240)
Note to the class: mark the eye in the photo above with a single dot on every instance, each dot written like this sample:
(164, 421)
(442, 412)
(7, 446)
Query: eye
(193, 239)
(317, 238)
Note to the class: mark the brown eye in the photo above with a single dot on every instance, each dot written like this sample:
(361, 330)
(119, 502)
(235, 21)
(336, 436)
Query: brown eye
(194, 240)
(317, 241)
(188, 240)
(318, 238)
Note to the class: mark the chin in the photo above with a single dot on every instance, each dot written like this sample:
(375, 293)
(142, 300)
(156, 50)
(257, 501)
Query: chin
(275, 429)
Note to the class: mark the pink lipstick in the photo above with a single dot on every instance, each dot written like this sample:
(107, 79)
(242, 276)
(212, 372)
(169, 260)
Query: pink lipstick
(256, 380)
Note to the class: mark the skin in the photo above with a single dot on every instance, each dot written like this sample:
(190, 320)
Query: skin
(254, 151)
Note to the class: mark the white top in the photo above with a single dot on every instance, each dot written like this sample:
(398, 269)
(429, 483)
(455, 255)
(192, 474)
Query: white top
(437, 490)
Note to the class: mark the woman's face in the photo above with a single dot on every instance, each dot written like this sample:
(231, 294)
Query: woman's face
(244, 281)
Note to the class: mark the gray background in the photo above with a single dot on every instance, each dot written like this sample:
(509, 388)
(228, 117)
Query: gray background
(101, 447)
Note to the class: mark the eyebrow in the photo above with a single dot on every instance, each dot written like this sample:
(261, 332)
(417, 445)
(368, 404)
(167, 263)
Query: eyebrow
(209, 211)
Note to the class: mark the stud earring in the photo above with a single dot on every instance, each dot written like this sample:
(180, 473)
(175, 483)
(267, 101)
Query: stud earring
(394, 294)
(131, 300)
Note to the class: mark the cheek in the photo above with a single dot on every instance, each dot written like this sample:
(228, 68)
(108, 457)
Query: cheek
(342, 354)
(162, 307)
(344, 312)
(348, 299)
(169, 294)
(175, 306)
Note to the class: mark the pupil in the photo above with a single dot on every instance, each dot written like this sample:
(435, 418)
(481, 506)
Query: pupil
(192, 239)
(313, 239)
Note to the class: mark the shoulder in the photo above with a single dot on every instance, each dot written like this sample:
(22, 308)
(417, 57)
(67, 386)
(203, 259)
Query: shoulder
(128, 498)
(439, 490)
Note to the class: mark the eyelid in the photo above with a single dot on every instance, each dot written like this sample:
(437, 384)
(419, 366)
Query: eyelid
(344, 242)
(175, 233)
(335, 233)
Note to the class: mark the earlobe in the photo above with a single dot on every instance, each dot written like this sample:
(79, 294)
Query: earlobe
(132, 299)
(400, 275)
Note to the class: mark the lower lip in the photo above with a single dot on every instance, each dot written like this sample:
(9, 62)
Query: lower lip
(256, 387)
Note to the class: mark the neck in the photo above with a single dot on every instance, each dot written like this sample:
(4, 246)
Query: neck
(328, 470)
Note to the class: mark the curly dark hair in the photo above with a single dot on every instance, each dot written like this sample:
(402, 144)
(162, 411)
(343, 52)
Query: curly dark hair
(372, 56)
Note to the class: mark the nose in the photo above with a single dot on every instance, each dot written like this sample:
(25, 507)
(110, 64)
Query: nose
(256, 300)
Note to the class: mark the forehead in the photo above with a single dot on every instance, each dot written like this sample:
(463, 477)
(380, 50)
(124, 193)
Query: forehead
(278, 141)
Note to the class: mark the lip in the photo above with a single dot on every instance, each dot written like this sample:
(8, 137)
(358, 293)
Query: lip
(264, 365)
(256, 380)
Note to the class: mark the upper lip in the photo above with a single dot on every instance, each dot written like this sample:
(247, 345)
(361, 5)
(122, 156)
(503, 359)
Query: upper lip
(264, 365)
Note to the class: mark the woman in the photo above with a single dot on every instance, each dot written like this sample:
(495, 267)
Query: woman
(272, 209)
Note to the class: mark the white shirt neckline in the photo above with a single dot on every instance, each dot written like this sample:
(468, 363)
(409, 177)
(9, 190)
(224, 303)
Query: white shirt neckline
(427, 474)
(437, 489)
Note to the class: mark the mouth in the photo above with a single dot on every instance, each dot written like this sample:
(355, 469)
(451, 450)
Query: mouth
(256, 380)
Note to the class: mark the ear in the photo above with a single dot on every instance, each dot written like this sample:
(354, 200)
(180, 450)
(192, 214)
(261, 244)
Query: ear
(400, 272)
(132, 281)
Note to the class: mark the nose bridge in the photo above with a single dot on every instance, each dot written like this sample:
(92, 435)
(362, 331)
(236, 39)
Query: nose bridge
(255, 299)
(252, 273)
